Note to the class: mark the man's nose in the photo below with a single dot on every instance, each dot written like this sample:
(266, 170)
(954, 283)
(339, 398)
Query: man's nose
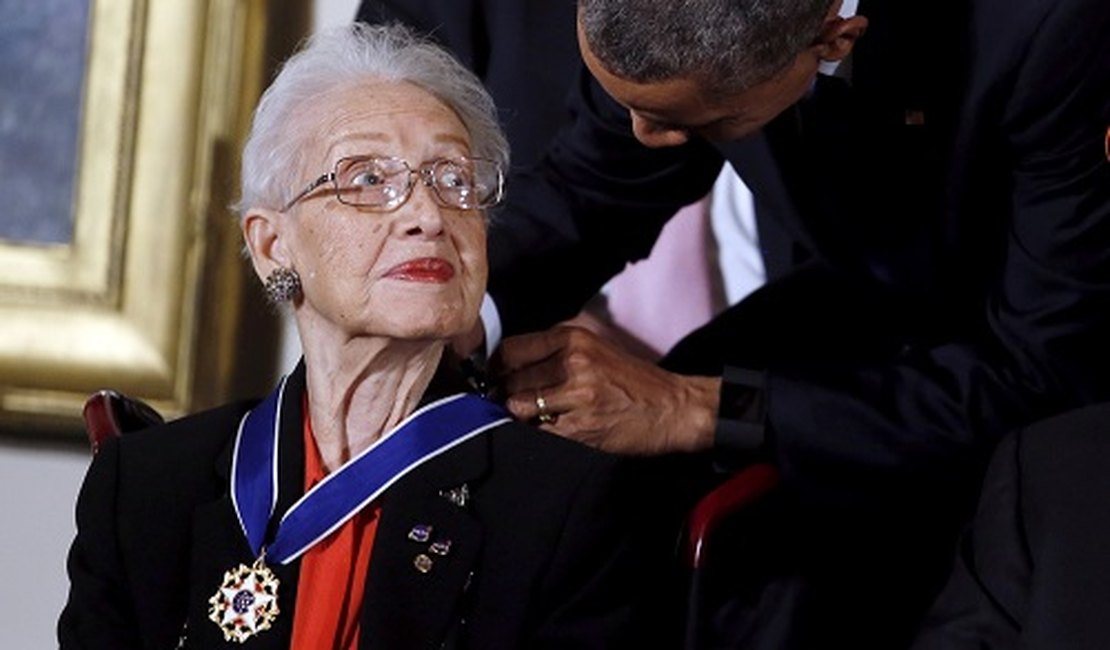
(653, 134)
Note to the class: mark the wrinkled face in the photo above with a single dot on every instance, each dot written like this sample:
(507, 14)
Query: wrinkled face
(417, 272)
(667, 113)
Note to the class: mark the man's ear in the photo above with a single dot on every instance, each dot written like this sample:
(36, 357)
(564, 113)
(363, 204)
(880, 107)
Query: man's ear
(264, 236)
(838, 36)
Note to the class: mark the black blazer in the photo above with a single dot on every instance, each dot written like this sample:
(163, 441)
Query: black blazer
(1033, 569)
(549, 552)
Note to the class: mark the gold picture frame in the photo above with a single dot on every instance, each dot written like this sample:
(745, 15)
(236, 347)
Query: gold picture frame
(151, 295)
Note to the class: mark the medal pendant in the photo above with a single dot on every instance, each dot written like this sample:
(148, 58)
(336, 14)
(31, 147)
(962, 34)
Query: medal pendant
(246, 602)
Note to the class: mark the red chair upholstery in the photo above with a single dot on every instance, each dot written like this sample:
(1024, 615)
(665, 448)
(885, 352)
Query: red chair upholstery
(741, 492)
(108, 414)
(743, 489)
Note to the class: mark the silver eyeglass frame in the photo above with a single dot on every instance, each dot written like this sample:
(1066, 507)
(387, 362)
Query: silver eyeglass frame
(425, 171)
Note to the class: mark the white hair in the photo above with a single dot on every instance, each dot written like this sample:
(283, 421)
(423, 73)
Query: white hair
(341, 57)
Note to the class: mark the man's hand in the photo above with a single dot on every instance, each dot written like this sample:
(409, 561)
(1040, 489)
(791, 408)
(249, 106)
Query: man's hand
(603, 396)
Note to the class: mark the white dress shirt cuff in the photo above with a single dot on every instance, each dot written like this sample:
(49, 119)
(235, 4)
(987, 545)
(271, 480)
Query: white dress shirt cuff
(491, 322)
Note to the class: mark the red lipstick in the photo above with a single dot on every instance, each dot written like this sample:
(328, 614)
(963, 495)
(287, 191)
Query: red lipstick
(423, 269)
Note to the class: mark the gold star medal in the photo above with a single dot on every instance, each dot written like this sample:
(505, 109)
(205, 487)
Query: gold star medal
(246, 602)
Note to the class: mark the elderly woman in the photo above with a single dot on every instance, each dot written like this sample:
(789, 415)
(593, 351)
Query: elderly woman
(372, 500)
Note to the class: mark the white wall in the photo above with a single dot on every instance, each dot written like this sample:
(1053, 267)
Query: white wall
(38, 488)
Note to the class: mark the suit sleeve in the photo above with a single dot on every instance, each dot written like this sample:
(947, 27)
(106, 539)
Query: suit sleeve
(597, 201)
(98, 613)
(1052, 309)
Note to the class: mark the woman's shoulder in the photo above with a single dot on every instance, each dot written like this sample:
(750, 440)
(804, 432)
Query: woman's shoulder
(154, 479)
(553, 469)
(532, 450)
(178, 451)
(192, 431)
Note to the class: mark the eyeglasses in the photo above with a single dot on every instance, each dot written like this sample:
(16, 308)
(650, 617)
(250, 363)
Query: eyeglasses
(385, 184)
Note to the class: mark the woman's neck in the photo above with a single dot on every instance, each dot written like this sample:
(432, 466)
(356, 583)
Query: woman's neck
(363, 388)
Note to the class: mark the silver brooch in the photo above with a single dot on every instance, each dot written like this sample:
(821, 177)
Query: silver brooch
(457, 495)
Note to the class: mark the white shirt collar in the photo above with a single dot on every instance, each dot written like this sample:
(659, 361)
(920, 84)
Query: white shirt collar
(847, 10)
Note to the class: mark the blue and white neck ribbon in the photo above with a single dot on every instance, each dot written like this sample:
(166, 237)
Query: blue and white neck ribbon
(428, 432)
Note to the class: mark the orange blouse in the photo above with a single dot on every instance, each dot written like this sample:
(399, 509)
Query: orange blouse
(333, 572)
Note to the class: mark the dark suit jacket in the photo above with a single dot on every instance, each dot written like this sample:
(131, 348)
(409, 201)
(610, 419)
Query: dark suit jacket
(935, 232)
(549, 552)
(1033, 570)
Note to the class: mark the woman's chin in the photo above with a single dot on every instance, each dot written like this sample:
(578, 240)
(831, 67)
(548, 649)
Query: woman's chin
(421, 332)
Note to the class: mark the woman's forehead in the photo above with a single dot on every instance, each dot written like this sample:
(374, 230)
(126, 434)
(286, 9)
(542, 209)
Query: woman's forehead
(392, 103)
(383, 113)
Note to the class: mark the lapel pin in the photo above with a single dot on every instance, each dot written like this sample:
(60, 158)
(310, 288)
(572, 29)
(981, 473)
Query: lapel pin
(421, 533)
(457, 495)
(441, 547)
(422, 562)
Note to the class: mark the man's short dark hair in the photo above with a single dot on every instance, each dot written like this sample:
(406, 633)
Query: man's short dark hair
(730, 45)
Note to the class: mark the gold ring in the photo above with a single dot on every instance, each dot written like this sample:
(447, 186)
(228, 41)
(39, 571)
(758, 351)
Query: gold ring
(541, 405)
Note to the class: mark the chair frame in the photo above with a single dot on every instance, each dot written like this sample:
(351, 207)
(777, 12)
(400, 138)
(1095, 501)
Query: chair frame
(109, 414)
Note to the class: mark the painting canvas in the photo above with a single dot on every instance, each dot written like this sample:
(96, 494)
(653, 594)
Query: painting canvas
(120, 265)
(42, 69)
